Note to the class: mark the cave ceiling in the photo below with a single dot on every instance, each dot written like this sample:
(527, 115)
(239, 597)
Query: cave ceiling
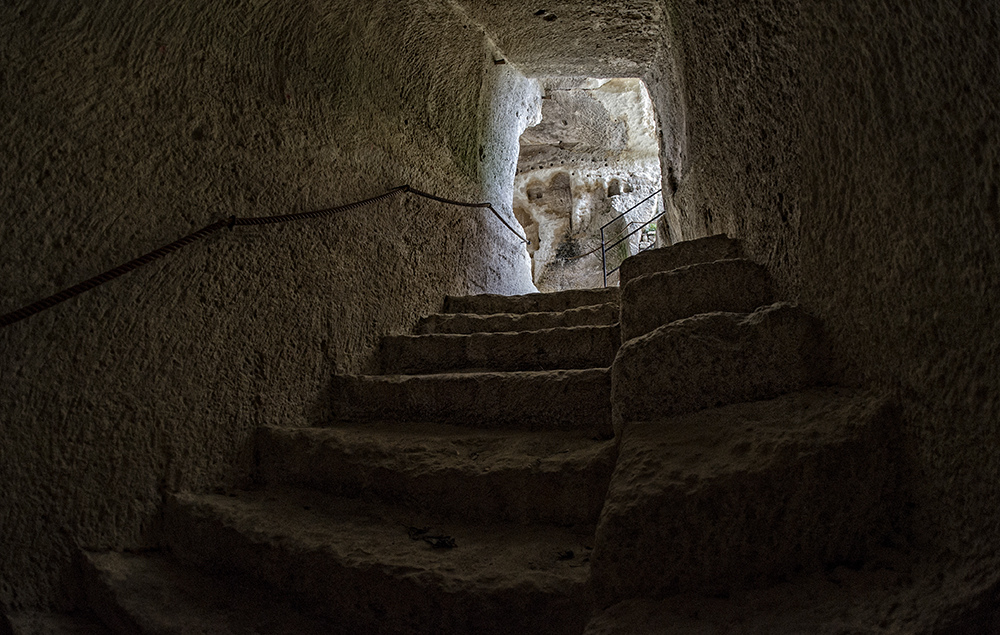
(598, 39)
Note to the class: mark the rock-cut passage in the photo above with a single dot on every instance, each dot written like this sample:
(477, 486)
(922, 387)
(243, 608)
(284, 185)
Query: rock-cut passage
(522, 463)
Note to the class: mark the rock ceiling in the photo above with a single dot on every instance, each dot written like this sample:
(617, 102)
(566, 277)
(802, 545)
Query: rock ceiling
(601, 39)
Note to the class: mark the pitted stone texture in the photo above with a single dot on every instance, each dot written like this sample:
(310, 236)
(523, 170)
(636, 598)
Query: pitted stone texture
(48, 623)
(526, 400)
(151, 593)
(487, 304)
(130, 124)
(573, 347)
(603, 39)
(896, 592)
(552, 477)
(715, 359)
(596, 315)
(743, 495)
(655, 299)
(825, 192)
(682, 254)
(356, 563)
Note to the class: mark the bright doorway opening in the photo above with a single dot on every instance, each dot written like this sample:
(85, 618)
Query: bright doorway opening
(592, 162)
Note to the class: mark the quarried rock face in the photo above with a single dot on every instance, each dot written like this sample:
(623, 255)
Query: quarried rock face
(592, 157)
(743, 495)
(129, 125)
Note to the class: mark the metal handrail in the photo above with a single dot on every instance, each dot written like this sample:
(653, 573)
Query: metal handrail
(621, 239)
(630, 209)
(638, 252)
(629, 235)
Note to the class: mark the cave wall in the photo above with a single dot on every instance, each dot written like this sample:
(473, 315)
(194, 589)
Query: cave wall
(127, 125)
(855, 149)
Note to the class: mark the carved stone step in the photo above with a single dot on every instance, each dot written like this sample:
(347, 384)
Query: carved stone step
(595, 315)
(715, 359)
(682, 254)
(556, 477)
(488, 304)
(741, 496)
(151, 593)
(655, 299)
(377, 569)
(524, 400)
(549, 349)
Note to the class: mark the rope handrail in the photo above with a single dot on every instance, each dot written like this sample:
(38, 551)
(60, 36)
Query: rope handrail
(207, 230)
(488, 206)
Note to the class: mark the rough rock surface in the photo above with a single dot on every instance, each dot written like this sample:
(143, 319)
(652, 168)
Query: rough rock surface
(614, 38)
(811, 132)
(553, 477)
(359, 563)
(745, 495)
(680, 254)
(598, 314)
(49, 623)
(487, 303)
(129, 125)
(529, 400)
(655, 299)
(150, 593)
(565, 347)
(716, 359)
(891, 594)
(853, 147)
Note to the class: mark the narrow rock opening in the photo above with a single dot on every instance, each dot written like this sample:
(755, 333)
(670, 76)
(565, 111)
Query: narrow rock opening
(592, 157)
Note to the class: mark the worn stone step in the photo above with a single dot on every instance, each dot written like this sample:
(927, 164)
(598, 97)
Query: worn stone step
(489, 304)
(715, 359)
(46, 622)
(151, 593)
(369, 567)
(464, 323)
(888, 594)
(744, 495)
(525, 400)
(682, 254)
(489, 476)
(655, 299)
(549, 349)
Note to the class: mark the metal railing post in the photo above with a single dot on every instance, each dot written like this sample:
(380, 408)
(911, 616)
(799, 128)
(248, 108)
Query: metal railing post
(604, 259)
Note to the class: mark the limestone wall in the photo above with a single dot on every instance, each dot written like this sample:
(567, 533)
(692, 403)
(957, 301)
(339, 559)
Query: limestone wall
(129, 124)
(852, 146)
(855, 148)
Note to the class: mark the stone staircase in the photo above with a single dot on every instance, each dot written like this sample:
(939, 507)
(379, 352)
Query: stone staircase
(516, 468)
